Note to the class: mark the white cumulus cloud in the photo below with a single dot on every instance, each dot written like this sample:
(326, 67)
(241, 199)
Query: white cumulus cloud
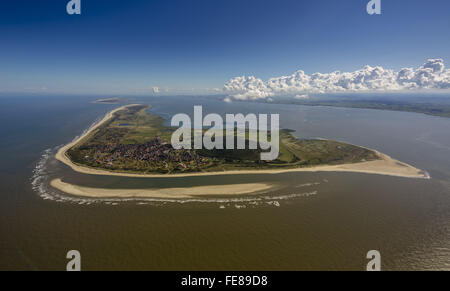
(431, 75)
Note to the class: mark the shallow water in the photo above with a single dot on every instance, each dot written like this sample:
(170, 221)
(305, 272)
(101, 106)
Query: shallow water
(311, 221)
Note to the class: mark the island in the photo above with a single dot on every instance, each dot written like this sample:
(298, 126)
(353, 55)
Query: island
(131, 142)
(112, 100)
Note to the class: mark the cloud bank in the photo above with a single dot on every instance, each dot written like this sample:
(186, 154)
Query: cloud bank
(431, 75)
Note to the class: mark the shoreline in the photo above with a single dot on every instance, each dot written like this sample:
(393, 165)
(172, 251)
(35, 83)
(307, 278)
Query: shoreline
(384, 166)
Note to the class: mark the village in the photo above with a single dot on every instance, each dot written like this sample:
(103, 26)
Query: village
(155, 152)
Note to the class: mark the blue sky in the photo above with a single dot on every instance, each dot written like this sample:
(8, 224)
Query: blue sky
(128, 47)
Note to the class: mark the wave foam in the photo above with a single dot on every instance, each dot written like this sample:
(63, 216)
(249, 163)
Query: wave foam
(41, 177)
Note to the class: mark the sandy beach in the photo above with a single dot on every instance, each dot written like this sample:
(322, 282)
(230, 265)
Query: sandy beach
(176, 193)
(61, 154)
(385, 166)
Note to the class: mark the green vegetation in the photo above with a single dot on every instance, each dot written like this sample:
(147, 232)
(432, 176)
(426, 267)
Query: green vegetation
(135, 141)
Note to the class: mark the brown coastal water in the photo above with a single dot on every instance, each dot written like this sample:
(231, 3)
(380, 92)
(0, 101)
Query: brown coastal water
(311, 221)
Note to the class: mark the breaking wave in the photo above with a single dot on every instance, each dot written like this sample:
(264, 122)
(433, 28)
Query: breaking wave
(40, 178)
(43, 174)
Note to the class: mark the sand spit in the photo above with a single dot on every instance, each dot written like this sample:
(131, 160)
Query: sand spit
(178, 193)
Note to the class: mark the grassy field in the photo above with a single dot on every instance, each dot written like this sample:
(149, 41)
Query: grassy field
(136, 141)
